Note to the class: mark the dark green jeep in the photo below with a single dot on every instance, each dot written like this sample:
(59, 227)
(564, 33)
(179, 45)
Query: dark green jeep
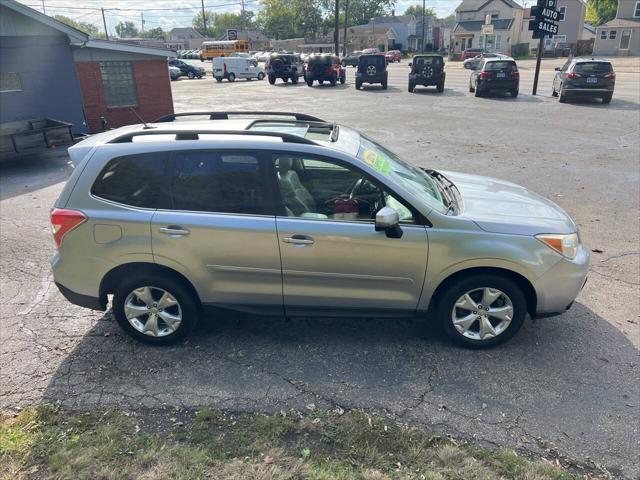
(427, 70)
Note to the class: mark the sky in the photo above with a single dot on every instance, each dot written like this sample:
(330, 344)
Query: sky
(175, 13)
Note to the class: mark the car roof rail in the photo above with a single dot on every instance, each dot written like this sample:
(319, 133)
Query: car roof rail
(225, 116)
(195, 135)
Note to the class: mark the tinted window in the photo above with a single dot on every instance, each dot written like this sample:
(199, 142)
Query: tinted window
(217, 182)
(435, 61)
(133, 180)
(494, 66)
(592, 67)
(319, 61)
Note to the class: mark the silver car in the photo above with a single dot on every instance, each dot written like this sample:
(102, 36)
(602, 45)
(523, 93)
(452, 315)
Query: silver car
(287, 214)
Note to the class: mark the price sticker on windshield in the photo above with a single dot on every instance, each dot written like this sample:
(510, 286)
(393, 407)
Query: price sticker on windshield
(377, 161)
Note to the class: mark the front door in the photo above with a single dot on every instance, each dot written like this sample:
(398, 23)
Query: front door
(625, 39)
(218, 230)
(332, 258)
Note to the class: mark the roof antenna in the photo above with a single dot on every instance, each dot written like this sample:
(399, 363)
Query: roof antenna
(140, 118)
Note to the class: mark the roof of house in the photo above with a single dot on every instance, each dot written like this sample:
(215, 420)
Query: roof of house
(368, 30)
(186, 30)
(73, 34)
(476, 25)
(393, 19)
(589, 27)
(475, 5)
(621, 23)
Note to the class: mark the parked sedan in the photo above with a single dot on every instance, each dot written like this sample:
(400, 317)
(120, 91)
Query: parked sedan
(351, 59)
(584, 77)
(495, 74)
(472, 63)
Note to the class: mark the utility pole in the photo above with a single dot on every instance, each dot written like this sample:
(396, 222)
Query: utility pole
(142, 21)
(242, 14)
(204, 19)
(336, 29)
(346, 23)
(104, 23)
(538, 58)
(424, 15)
(44, 10)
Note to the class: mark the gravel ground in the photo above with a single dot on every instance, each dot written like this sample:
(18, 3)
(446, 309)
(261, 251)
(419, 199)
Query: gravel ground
(567, 384)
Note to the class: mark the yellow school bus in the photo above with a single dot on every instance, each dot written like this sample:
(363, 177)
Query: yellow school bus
(222, 48)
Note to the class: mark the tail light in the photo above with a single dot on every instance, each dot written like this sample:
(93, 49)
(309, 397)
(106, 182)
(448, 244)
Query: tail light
(515, 74)
(484, 75)
(610, 76)
(573, 75)
(63, 221)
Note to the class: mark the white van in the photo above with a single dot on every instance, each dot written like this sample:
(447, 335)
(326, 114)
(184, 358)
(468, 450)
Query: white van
(236, 67)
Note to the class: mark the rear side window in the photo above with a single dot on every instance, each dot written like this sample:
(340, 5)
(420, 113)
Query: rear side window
(206, 181)
(132, 180)
(592, 67)
(435, 61)
(495, 66)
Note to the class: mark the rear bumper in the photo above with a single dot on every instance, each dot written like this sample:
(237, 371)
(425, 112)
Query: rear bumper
(587, 91)
(426, 82)
(498, 84)
(86, 301)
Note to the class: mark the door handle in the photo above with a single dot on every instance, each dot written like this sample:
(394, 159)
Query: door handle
(299, 240)
(174, 230)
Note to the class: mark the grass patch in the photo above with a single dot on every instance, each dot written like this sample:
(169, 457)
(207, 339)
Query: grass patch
(51, 444)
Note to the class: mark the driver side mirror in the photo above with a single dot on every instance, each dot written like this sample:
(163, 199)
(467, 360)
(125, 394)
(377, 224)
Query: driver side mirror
(557, 69)
(388, 221)
(410, 64)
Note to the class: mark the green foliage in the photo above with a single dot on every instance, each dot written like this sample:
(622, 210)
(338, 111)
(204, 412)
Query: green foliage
(127, 30)
(85, 27)
(156, 32)
(218, 23)
(282, 19)
(416, 10)
(600, 11)
(361, 11)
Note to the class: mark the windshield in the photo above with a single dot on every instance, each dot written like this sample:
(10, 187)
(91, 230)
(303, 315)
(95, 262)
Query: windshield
(592, 67)
(415, 180)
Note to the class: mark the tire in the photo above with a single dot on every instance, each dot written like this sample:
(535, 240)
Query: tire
(344, 64)
(294, 79)
(440, 87)
(309, 82)
(411, 87)
(514, 93)
(231, 77)
(562, 96)
(191, 75)
(476, 285)
(320, 82)
(471, 89)
(261, 76)
(285, 79)
(343, 78)
(358, 84)
(384, 85)
(334, 79)
(607, 99)
(477, 90)
(553, 92)
(186, 307)
(272, 79)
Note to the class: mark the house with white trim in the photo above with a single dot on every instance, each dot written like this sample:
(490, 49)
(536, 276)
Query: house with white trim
(620, 36)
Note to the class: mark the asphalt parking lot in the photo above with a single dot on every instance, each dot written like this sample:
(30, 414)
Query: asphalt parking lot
(568, 384)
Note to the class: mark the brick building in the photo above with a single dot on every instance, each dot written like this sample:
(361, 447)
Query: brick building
(51, 70)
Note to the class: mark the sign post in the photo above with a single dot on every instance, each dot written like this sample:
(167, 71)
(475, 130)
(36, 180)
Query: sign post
(543, 25)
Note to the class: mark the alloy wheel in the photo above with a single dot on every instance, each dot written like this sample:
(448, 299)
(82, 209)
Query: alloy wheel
(371, 70)
(153, 311)
(482, 313)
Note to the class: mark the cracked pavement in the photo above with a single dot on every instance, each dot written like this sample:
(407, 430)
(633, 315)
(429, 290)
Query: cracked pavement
(567, 384)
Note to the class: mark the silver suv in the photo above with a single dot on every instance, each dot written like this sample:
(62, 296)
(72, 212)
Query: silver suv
(277, 213)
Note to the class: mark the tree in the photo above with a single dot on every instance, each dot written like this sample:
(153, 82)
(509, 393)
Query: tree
(282, 19)
(89, 28)
(416, 10)
(126, 30)
(601, 11)
(361, 11)
(218, 23)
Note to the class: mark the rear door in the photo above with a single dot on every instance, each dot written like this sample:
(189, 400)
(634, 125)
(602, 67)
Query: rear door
(219, 229)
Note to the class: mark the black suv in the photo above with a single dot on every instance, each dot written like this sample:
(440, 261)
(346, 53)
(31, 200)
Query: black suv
(323, 67)
(584, 77)
(188, 70)
(427, 70)
(372, 69)
(495, 74)
(285, 66)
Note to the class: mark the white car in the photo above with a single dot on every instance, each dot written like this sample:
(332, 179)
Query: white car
(236, 67)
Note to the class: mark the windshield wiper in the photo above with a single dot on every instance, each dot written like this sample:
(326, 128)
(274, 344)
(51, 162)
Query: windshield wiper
(451, 202)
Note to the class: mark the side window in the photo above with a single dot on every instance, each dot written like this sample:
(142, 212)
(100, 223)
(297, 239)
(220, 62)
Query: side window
(133, 180)
(314, 188)
(213, 181)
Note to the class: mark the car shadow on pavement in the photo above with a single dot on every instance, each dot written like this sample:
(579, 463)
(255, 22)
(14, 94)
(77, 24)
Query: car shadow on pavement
(616, 104)
(379, 89)
(448, 92)
(566, 380)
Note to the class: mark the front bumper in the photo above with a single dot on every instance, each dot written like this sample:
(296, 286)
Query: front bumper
(560, 285)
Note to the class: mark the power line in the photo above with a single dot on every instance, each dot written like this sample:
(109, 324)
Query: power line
(213, 6)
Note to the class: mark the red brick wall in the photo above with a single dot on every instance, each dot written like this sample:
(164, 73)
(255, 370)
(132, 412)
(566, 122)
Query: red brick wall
(152, 85)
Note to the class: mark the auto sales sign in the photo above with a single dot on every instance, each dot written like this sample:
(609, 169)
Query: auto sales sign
(546, 16)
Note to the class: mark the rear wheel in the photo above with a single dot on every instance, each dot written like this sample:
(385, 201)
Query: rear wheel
(384, 84)
(411, 87)
(191, 75)
(272, 79)
(232, 77)
(218, 79)
(294, 79)
(260, 76)
(607, 98)
(476, 89)
(320, 82)
(481, 311)
(334, 79)
(343, 78)
(309, 82)
(440, 87)
(156, 310)
(514, 92)
(358, 84)
(553, 92)
(563, 97)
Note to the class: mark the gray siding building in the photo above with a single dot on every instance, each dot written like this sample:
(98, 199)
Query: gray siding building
(620, 36)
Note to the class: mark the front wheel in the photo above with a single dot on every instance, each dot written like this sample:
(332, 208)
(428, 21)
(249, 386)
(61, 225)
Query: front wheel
(272, 79)
(294, 79)
(343, 78)
(358, 84)
(156, 310)
(191, 75)
(481, 311)
(218, 79)
(411, 87)
(334, 80)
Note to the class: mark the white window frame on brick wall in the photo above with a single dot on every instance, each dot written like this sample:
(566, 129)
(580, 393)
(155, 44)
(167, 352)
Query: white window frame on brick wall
(119, 84)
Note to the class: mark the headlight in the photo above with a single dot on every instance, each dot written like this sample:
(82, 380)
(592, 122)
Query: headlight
(566, 245)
